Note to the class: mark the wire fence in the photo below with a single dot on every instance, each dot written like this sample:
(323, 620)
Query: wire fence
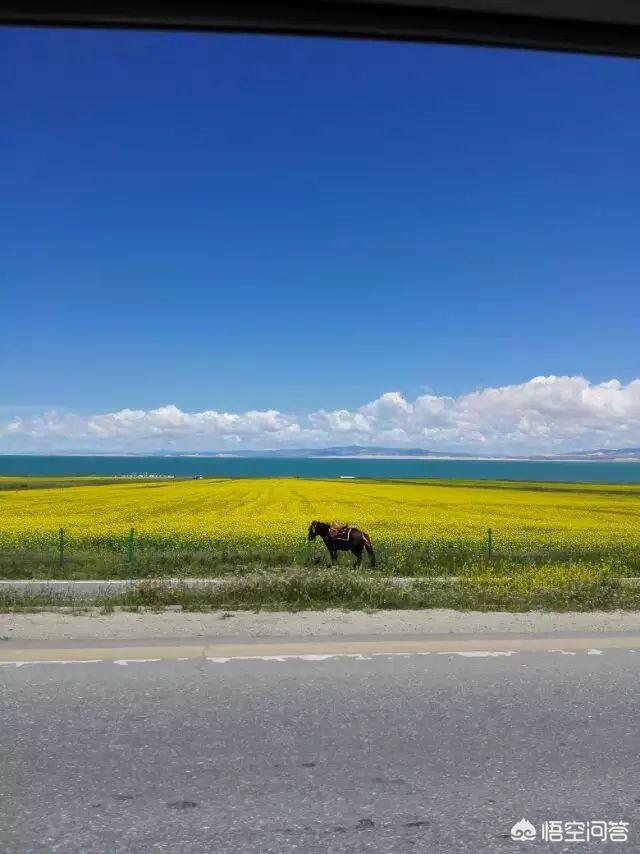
(134, 555)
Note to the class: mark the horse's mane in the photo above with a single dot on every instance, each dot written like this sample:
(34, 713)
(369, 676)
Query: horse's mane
(333, 524)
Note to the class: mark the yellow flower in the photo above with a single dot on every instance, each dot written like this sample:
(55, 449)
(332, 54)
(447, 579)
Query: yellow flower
(275, 513)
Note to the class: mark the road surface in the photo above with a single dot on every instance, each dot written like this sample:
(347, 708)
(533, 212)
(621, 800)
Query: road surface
(434, 746)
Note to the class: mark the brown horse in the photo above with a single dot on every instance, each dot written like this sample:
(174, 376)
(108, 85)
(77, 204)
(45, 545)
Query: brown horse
(348, 540)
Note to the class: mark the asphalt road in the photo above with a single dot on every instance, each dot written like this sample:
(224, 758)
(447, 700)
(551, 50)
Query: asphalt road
(430, 753)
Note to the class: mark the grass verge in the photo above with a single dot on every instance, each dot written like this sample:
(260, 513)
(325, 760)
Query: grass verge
(547, 589)
(421, 561)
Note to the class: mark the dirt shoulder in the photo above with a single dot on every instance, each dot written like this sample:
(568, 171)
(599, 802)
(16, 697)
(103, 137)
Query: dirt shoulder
(123, 625)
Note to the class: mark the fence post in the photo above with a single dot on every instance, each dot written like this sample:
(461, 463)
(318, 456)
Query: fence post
(489, 542)
(61, 546)
(130, 546)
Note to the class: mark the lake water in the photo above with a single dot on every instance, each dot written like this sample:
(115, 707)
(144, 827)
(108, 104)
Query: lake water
(583, 472)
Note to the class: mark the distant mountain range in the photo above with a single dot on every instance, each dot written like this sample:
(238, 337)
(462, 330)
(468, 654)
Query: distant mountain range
(367, 452)
(599, 454)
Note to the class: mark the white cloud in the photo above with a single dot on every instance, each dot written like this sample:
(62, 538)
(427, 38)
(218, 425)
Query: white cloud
(544, 414)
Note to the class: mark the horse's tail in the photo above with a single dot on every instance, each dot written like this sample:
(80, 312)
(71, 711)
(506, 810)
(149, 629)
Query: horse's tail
(369, 548)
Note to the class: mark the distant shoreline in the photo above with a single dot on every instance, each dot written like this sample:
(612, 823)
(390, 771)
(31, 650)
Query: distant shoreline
(475, 459)
(368, 457)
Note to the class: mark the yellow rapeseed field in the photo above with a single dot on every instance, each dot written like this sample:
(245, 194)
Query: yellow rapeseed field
(268, 513)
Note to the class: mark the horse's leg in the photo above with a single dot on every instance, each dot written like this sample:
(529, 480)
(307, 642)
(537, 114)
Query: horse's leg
(370, 552)
(357, 550)
(334, 557)
(328, 549)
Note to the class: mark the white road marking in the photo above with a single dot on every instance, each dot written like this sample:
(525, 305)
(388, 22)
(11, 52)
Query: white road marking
(317, 651)
(399, 654)
(356, 656)
(480, 653)
(52, 661)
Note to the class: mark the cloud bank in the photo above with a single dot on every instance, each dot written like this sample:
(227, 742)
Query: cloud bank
(546, 414)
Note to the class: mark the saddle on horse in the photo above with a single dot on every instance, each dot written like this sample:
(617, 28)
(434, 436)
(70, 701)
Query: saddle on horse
(338, 531)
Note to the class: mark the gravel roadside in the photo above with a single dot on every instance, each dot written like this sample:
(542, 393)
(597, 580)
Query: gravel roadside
(124, 625)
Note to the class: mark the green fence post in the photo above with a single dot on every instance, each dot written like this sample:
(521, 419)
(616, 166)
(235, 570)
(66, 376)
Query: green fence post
(130, 548)
(489, 542)
(61, 546)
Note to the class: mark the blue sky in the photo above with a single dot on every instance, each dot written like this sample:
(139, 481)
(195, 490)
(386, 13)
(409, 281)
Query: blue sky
(231, 223)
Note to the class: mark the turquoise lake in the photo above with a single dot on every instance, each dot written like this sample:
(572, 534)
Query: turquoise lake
(579, 472)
